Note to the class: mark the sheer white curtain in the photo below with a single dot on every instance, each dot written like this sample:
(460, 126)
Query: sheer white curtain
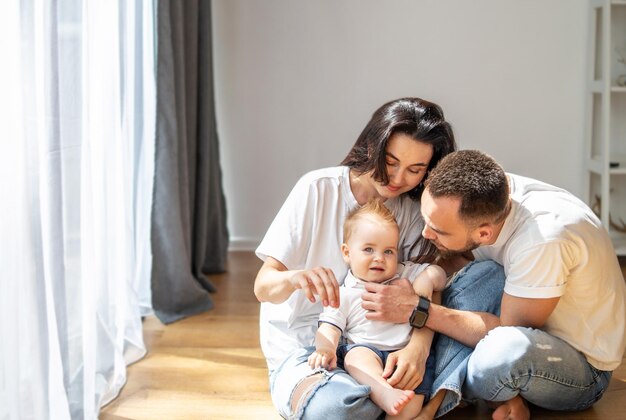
(76, 167)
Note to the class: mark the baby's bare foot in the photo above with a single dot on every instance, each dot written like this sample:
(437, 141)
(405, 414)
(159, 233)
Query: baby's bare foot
(394, 400)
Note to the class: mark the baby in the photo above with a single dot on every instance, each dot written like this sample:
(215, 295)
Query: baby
(371, 237)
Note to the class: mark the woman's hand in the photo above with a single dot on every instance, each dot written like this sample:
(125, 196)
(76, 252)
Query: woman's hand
(319, 281)
(409, 364)
(391, 303)
(274, 283)
(323, 357)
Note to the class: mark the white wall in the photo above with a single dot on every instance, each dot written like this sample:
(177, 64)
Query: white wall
(297, 80)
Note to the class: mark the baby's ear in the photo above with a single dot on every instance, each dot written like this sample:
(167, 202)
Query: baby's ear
(345, 252)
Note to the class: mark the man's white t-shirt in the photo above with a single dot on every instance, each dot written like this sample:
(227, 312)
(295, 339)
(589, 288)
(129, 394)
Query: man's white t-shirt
(307, 233)
(553, 245)
(350, 316)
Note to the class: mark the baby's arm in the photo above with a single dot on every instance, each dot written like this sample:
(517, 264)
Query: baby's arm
(326, 341)
(432, 279)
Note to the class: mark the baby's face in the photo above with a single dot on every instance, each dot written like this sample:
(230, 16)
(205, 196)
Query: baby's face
(372, 250)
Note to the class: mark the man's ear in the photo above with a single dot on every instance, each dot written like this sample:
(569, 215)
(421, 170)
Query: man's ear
(485, 234)
(345, 252)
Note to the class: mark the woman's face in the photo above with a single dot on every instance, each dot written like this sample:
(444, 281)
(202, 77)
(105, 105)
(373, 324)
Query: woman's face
(407, 162)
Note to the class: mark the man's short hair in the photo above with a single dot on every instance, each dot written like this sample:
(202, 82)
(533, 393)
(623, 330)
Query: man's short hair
(477, 180)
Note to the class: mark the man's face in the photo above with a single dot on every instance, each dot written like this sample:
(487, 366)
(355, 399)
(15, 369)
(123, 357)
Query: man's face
(444, 228)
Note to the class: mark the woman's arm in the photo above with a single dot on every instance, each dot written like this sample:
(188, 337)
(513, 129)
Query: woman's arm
(274, 283)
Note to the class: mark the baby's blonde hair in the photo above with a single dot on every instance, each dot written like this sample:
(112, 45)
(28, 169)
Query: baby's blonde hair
(374, 208)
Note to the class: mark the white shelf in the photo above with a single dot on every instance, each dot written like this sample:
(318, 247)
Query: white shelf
(620, 170)
(596, 165)
(606, 125)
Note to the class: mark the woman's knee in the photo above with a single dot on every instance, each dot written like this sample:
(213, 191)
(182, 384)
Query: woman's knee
(340, 397)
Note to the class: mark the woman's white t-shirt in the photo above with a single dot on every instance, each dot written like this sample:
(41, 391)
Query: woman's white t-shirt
(307, 233)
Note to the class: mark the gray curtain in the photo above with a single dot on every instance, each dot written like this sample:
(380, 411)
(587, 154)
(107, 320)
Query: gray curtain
(189, 234)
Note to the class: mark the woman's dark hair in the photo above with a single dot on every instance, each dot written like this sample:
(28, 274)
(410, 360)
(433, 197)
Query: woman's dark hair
(415, 117)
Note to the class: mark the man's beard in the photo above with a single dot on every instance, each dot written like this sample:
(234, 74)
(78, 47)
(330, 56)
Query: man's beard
(448, 253)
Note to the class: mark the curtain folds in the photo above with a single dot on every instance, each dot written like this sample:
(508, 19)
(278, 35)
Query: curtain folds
(189, 234)
(76, 146)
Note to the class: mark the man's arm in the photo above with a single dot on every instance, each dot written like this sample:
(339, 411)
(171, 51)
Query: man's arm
(466, 327)
(526, 312)
(394, 303)
(470, 327)
(405, 368)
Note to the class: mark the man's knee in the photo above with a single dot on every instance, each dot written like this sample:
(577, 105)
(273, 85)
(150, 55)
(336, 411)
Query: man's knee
(504, 352)
(489, 273)
(477, 287)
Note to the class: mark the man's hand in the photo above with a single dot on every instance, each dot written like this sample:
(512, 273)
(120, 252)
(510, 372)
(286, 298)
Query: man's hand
(405, 368)
(391, 303)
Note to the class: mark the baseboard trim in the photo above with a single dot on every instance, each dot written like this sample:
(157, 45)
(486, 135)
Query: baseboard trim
(243, 244)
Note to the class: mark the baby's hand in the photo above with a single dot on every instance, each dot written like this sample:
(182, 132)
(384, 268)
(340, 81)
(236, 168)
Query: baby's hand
(326, 358)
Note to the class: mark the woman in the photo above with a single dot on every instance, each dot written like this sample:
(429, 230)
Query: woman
(403, 140)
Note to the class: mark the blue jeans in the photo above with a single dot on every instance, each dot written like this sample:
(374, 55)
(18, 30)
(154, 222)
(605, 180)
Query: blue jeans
(337, 396)
(543, 369)
(478, 286)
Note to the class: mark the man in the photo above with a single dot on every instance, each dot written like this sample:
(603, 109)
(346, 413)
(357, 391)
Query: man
(561, 328)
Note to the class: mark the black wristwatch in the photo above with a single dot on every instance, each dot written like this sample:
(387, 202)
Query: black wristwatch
(420, 313)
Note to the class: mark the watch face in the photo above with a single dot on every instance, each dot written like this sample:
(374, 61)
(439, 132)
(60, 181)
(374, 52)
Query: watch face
(418, 319)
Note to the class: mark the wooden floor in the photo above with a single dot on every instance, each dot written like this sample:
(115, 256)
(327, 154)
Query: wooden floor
(210, 366)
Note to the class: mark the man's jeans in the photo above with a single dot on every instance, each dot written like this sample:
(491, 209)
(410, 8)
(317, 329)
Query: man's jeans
(478, 287)
(543, 369)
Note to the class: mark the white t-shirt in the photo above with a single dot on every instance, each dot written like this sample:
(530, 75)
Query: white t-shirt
(350, 316)
(307, 233)
(552, 245)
